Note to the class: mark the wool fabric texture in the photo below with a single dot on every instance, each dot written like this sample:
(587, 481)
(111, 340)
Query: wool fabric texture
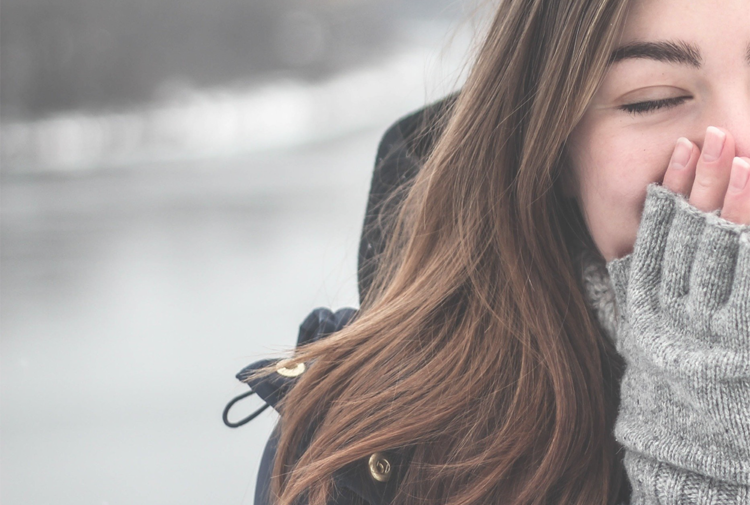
(682, 323)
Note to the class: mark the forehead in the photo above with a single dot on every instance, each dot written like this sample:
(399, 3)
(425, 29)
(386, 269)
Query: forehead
(704, 22)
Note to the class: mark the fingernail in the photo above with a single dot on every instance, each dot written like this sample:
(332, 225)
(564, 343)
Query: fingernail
(740, 174)
(713, 144)
(681, 154)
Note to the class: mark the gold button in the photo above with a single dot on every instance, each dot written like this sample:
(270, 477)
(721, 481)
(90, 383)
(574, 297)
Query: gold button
(291, 371)
(380, 467)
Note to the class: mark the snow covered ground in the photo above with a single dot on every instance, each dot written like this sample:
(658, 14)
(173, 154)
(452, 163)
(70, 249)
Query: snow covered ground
(148, 256)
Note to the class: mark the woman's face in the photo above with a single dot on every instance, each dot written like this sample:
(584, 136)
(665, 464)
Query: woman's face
(681, 67)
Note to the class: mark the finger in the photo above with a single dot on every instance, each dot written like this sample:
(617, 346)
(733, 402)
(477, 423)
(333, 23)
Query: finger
(712, 172)
(681, 171)
(737, 201)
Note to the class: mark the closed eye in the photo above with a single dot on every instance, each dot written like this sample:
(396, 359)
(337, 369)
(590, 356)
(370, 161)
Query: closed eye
(644, 107)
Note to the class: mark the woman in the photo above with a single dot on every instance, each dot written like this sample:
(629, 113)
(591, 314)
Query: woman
(486, 362)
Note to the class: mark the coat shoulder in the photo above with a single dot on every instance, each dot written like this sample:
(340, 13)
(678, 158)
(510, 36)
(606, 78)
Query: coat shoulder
(375, 479)
(400, 154)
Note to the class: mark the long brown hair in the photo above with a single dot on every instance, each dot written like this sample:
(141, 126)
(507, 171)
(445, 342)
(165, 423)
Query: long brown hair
(475, 348)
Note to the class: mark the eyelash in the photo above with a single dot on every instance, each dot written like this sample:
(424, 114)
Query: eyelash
(644, 107)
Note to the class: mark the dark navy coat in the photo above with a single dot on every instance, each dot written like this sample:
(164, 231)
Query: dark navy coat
(403, 147)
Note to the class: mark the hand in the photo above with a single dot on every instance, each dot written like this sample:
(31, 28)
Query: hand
(683, 303)
(714, 178)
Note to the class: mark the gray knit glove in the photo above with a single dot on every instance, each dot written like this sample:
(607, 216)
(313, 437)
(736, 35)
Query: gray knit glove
(683, 299)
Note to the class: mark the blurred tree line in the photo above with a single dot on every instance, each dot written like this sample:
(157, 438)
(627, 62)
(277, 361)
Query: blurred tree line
(70, 54)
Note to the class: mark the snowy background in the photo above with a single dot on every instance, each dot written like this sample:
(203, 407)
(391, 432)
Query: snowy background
(182, 182)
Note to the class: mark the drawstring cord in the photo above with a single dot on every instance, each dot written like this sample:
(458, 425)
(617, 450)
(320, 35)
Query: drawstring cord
(225, 415)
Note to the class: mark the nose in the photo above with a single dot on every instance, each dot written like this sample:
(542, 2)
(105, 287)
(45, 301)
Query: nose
(733, 115)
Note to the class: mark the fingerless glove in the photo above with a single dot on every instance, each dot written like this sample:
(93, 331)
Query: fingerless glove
(683, 328)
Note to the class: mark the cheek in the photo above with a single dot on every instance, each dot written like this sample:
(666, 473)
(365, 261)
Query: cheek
(624, 166)
(613, 172)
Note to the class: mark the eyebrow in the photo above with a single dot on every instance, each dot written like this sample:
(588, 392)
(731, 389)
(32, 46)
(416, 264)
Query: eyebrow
(666, 51)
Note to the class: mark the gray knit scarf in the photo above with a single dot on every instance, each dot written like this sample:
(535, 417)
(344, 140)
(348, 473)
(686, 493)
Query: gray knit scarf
(598, 290)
